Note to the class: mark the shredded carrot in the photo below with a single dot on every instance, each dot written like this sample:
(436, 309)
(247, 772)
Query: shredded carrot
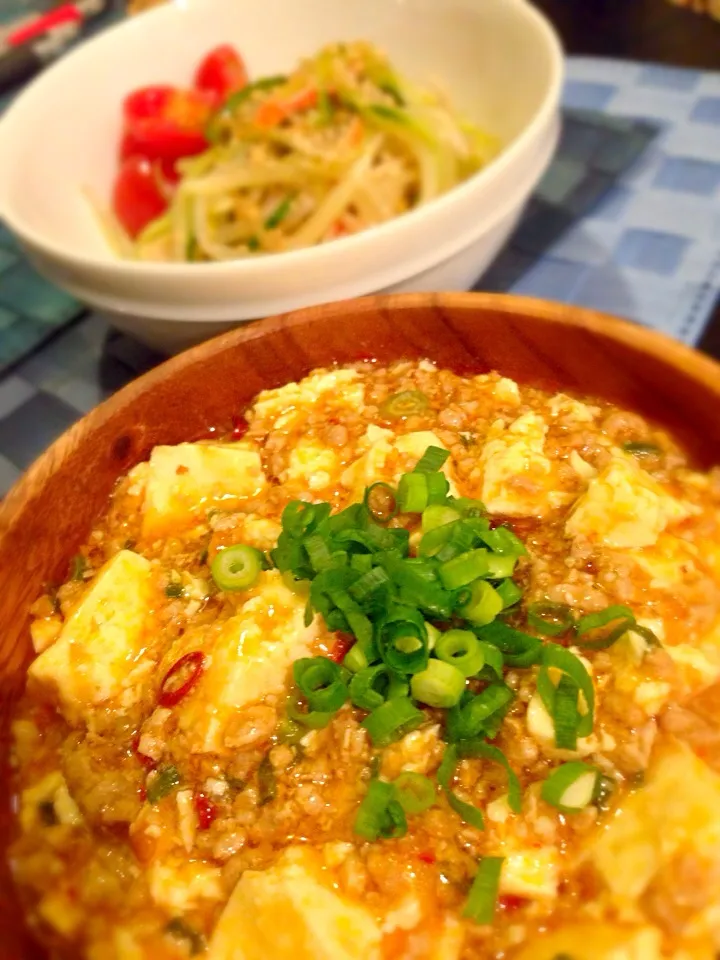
(273, 112)
(356, 132)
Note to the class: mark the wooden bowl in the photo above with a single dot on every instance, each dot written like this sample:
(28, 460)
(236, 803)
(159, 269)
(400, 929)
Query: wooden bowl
(49, 513)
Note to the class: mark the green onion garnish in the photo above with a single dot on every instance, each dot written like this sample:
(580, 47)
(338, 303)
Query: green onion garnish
(438, 515)
(483, 604)
(550, 619)
(463, 569)
(519, 649)
(571, 787)
(501, 565)
(566, 717)
(279, 214)
(415, 792)
(393, 720)
(164, 782)
(413, 493)
(320, 681)
(404, 404)
(509, 592)
(567, 663)
(438, 685)
(403, 640)
(381, 502)
(307, 719)
(432, 460)
(236, 568)
(482, 899)
(638, 448)
(174, 590)
(479, 715)
(78, 566)
(463, 650)
(380, 814)
(372, 686)
(590, 629)
(446, 771)
(503, 541)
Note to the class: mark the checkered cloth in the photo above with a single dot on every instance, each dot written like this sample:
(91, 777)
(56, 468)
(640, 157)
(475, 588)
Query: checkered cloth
(637, 238)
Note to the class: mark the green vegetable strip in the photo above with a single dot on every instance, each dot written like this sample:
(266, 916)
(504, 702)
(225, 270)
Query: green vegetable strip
(371, 687)
(482, 899)
(404, 404)
(483, 605)
(560, 658)
(554, 789)
(310, 719)
(550, 619)
(519, 649)
(463, 569)
(446, 771)
(439, 685)
(509, 592)
(279, 214)
(162, 784)
(380, 813)
(267, 784)
(589, 628)
(320, 681)
(392, 720)
(415, 792)
(432, 460)
(566, 717)
(413, 493)
(463, 650)
(478, 748)
(473, 716)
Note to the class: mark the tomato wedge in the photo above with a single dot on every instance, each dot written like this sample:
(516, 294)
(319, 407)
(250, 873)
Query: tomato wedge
(165, 124)
(221, 73)
(137, 196)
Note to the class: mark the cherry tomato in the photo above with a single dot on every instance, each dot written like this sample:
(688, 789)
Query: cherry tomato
(221, 73)
(137, 197)
(165, 124)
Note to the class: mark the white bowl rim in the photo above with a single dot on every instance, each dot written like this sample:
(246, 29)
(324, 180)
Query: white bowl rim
(266, 265)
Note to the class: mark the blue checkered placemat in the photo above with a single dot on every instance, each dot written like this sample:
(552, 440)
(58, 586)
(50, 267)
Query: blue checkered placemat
(627, 220)
(650, 249)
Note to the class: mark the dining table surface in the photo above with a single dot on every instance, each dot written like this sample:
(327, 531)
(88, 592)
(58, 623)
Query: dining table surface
(650, 30)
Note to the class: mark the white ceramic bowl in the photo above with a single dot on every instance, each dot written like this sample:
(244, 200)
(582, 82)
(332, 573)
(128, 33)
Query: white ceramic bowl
(498, 59)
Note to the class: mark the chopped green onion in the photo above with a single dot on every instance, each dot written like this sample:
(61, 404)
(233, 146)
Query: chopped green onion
(503, 541)
(372, 686)
(318, 552)
(590, 632)
(501, 565)
(566, 717)
(479, 714)
(550, 619)
(438, 486)
(483, 604)
(267, 783)
(509, 592)
(438, 685)
(369, 582)
(432, 460)
(404, 404)
(381, 502)
(253, 243)
(413, 492)
(320, 681)
(78, 566)
(471, 508)
(402, 639)
(493, 659)
(571, 786)
(463, 650)
(446, 771)
(380, 814)
(604, 789)
(478, 748)
(164, 782)
(326, 108)
(640, 449)
(174, 590)
(556, 656)
(310, 719)
(415, 792)
(519, 649)
(437, 515)
(236, 568)
(463, 569)
(392, 721)
(433, 635)
(482, 899)
(279, 214)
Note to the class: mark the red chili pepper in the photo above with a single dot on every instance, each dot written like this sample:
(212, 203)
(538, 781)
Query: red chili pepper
(142, 793)
(427, 856)
(509, 901)
(343, 643)
(240, 426)
(206, 811)
(170, 695)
